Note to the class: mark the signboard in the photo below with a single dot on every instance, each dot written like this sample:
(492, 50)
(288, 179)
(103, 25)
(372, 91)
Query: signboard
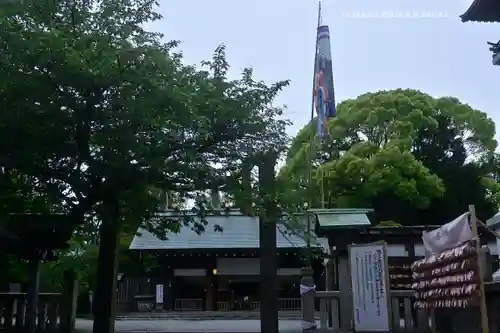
(370, 291)
(159, 294)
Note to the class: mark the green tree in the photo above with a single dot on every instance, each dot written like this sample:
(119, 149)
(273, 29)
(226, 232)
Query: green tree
(394, 151)
(110, 117)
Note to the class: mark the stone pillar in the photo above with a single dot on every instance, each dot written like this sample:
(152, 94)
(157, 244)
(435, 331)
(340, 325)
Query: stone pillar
(308, 295)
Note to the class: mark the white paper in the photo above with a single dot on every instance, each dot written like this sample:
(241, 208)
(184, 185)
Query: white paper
(305, 289)
(369, 290)
(159, 294)
(448, 236)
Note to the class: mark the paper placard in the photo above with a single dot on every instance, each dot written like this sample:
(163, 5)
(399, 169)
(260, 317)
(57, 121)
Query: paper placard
(370, 291)
(159, 294)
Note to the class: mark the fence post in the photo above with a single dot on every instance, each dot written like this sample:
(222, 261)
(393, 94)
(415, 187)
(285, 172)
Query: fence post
(32, 295)
(69, 302)
(345, 300)
(308, 295)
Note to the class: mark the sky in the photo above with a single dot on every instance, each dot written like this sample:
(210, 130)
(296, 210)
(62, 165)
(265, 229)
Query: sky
(376, 45)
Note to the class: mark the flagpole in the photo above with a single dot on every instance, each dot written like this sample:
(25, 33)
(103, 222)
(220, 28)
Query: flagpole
(311, 142)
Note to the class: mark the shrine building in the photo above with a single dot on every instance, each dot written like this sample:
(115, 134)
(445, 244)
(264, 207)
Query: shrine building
(220, 269)
(485, 11)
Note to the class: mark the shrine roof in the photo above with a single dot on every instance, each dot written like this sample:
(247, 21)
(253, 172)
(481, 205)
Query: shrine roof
(238, 232)
(342, 218)
(482, 11)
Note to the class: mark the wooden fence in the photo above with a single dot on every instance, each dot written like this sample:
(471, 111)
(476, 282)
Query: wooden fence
(55, 313)
(404, 317)
(50, 312)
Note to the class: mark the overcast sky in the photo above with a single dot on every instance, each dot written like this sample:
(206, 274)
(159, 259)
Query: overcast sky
(376, 44)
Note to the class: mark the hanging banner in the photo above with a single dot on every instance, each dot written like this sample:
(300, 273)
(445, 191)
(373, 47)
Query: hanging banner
(370, 287)
(448, 236)
(324, 96)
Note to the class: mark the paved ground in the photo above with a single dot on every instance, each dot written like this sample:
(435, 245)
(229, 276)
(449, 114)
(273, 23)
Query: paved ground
(184, 326)
(206, 315)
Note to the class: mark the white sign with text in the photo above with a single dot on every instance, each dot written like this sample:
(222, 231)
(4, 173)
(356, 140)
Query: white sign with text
(370, 293)
(159, 294)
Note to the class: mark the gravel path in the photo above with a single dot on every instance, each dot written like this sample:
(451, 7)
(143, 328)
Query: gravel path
(184, 326)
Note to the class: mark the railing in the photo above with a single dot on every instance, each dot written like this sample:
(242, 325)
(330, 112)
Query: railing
(223, 306)
(13, 310)
(188, 304)
(407, 320)
(283, 304)
(289, 303)
(255, 305)
(410, 320)
(328, 306)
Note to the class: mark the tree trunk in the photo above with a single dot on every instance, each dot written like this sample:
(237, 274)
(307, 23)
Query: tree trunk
(105, 293)
(245, 195)
(267, 236)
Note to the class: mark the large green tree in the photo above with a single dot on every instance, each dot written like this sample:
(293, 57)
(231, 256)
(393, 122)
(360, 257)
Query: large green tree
(412, 157)
(108, 116)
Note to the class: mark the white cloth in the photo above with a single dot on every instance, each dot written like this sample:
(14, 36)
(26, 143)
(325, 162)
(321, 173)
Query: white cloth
(448, 236)
(305, 325)
(305, 289)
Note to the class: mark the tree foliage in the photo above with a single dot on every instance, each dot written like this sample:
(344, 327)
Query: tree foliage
(110, 116)
(106, 110)
(412, 157)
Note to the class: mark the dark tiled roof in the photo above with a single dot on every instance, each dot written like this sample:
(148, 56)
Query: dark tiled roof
(238, 232)
(482, 11)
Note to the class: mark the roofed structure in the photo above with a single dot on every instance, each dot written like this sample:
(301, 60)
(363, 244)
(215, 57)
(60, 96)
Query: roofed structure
(482, 11)
(242, 232)
(238, 232)
(342, 218)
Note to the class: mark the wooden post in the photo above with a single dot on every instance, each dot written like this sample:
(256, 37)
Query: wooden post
(329, 285)
(346, 319)
(480, 268)
(209, 290)
(32, 295)
(268, 215)
(168, 278)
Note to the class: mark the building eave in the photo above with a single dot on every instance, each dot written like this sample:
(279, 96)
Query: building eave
(487, 11)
